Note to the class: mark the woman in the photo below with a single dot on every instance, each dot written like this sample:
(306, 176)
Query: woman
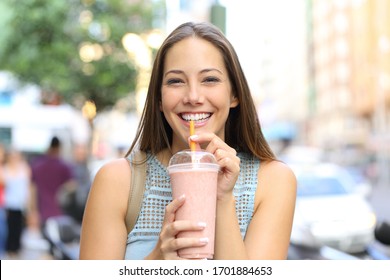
(3, 216)
(196, 75)
(17, 176)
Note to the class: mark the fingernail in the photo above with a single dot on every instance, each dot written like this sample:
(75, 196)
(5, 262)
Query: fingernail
(202, 224)
(194, 137)
(204, 240)
(182, 197)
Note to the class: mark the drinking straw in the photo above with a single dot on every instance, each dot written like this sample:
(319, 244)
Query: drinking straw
(192, 132)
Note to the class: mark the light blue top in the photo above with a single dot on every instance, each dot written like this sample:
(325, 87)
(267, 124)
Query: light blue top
(16, 189)
(143, 238)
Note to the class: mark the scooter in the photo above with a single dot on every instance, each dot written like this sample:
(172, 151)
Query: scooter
(380, 249)
(63, 234)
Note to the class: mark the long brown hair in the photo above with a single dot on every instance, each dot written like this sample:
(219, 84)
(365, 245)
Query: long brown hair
(242, 129)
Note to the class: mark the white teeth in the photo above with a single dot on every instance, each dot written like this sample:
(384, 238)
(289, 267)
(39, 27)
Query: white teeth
(195, 117)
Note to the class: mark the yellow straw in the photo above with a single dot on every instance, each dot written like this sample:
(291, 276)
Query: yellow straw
(192, 132)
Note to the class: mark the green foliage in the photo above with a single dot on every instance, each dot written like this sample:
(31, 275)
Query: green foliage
(45, 38)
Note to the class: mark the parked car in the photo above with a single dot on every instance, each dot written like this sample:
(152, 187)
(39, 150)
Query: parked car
(360, 182)
(329, 212)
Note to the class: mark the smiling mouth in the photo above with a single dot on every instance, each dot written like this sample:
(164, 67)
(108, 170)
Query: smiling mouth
(198, 117)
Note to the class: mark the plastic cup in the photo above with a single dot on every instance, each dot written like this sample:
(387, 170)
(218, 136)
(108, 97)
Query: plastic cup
(194, 174)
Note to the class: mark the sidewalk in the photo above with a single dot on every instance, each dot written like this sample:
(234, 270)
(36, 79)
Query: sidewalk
(34, 247)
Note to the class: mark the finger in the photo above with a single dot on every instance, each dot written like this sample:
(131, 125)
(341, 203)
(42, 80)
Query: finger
(225, 158)
(186, 242)
(217, 144)
(170, 244)
(197, 146)
(171, 248)
(214, 142)
(178, 226)
(172, 207)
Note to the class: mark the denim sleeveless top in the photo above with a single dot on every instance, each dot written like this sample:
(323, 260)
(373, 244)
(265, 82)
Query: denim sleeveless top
(144, 236)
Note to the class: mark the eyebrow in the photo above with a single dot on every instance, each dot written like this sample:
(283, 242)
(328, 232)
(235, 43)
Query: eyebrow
(176, 71)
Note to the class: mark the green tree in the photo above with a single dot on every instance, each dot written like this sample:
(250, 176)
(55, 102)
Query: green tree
(45, 39)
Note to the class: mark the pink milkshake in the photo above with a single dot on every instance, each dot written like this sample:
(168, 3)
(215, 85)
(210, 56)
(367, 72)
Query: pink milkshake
(195, 175)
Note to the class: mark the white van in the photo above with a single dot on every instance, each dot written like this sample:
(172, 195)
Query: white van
(29, 128)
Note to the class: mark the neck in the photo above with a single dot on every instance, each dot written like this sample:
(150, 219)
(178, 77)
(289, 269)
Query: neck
(164, 156)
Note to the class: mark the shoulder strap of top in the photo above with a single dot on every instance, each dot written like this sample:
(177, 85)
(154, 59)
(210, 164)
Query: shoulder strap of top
(137, 187)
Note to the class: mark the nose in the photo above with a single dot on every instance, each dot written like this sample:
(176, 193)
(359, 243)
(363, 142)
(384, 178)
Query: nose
(194, 95)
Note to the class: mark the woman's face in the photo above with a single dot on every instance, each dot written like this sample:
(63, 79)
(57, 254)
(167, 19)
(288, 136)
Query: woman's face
(195, 87)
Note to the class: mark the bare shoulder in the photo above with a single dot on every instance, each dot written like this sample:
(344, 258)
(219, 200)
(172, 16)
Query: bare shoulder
(114, 176)
(114, 170)
(275, 170)
(275, 178)
(111, 186)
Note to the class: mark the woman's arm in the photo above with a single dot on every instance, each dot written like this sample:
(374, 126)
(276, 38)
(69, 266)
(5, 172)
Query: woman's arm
(104, 234)
(268, 235)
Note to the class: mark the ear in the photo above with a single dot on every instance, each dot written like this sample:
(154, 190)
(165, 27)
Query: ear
(234, 102)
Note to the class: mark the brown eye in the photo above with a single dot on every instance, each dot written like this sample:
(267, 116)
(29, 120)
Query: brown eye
(174, 81)
(211, 80)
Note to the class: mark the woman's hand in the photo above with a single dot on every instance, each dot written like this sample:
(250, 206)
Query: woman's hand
(168, 243)
(227, 159)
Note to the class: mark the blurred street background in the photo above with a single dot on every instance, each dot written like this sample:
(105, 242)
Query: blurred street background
(319, 72)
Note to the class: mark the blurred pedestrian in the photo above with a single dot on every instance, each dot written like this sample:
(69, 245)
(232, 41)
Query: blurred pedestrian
(50, 173)
(16, 177)
(73, 201)
(3, 219)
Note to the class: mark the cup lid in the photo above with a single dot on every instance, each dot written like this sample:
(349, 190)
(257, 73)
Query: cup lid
(197, 159)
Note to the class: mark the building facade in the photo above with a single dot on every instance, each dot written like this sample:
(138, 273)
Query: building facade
(351, 71)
